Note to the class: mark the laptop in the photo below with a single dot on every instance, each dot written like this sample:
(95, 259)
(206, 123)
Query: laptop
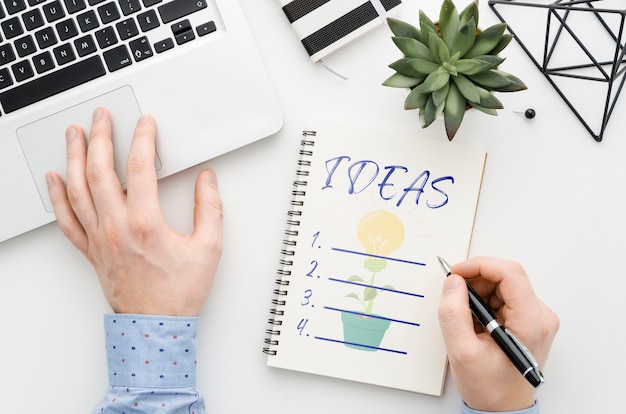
(193, 64)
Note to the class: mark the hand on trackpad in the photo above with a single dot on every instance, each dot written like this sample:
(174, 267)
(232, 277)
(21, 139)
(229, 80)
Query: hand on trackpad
(43, 141)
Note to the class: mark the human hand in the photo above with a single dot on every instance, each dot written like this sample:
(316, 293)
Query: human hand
(143, 265)
(485, 378)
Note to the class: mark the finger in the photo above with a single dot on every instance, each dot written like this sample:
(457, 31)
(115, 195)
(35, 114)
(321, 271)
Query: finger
(510, 277)
(68, 222)
(104, 185)
(455, 317)
(78, 193)
(208, 212)
(141, 179)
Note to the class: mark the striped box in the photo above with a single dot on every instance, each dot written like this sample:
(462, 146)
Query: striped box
(323, 26)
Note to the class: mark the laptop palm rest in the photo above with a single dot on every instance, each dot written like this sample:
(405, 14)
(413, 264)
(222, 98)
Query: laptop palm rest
(46, 151)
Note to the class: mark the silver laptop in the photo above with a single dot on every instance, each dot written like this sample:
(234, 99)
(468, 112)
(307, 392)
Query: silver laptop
(192, 64)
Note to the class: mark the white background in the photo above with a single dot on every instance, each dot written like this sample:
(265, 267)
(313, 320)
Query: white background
(552, 199)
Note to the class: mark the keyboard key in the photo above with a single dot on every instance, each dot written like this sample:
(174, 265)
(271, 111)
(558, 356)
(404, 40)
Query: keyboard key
(25, 46)
(12, 28)
(180, 27)
(2, 13)
(15, 6)
(33, 19)
(177, 9)
(106, 37)
(127, 29)
(163, 45)
(140, 48)
(206, 28)
(53, 11)
(6, 54)
(22, 71)
(74, 6)
(87, 21)
(85, 45)
(51, 84)
(117, 58)
(108, 13)
(148, 20)
(43, 62)
(185, 37)
(35, 2)
(46, 38)
(5, 78)
(148, 3)
(66, 29)
(64, 54)
(130, 6)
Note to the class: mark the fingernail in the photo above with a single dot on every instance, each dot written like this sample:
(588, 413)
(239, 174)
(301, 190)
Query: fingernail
(97, 114)
(451, 283)
(210, 178)
(143, 119)
(70, 133)
(48, 180)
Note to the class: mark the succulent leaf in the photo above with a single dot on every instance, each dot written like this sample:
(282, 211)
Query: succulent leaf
(448, 22)
(398, 80)
(435, 80)
(413, 48)
(516, 84)
(416, 68)
(487, 40)
(469, 12)
(477, 65)
(467, 88)
(427, 27)
(440, 95)
(504, 42)
(488, 100)
(403, 29)
(415, 99)
(488, 111)
(454, 111)
(492, 79)
(429, 113)
(465, 38)
(442, 51)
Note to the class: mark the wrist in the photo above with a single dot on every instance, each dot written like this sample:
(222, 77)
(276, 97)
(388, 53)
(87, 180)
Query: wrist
(533, 409)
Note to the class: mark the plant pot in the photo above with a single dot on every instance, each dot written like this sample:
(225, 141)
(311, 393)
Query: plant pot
(363, 332)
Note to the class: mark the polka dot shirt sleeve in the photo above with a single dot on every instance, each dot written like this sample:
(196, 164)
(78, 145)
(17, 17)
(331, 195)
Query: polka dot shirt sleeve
(152, 365)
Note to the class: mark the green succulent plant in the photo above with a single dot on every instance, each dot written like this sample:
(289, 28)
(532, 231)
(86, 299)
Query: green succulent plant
(451, 65)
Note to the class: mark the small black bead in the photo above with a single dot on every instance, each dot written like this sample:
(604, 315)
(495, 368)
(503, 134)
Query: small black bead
(530, 113)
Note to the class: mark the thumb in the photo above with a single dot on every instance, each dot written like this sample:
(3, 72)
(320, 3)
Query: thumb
(208, 212)
(455, 316)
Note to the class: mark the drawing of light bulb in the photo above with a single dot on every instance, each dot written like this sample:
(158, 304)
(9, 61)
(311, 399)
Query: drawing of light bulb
(380, 232)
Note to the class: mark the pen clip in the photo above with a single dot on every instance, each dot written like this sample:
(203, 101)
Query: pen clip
(526, 352)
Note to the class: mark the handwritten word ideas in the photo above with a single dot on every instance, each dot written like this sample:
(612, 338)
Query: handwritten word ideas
(395, 182)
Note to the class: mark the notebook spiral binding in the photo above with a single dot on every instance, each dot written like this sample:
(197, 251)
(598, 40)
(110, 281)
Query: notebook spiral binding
(289, 242)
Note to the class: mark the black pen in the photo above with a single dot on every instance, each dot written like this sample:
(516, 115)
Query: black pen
(519, 355)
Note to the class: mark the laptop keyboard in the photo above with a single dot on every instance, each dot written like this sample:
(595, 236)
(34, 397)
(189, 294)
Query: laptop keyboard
(50, 46)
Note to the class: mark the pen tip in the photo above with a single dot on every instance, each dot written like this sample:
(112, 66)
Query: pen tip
(444, 264)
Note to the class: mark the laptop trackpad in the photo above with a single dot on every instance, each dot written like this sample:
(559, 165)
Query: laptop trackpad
(43, 141)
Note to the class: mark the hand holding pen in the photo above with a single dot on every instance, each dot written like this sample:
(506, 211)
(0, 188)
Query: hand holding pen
(485, 375)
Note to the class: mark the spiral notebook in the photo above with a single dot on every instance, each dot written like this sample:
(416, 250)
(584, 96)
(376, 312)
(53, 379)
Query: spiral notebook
(323, 26)
(358, 282)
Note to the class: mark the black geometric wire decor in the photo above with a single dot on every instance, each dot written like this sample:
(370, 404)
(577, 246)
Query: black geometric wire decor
(579, 47)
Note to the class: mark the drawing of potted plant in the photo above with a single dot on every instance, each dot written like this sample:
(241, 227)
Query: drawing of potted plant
(380, 232)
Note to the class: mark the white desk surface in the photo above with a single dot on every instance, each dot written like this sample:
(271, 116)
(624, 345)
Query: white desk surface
(552, 199)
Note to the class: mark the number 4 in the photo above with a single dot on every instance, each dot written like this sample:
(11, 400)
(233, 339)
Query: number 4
(302, 324)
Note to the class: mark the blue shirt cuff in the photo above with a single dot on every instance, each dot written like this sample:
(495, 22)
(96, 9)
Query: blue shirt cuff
(532, 410)
(151, 351)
